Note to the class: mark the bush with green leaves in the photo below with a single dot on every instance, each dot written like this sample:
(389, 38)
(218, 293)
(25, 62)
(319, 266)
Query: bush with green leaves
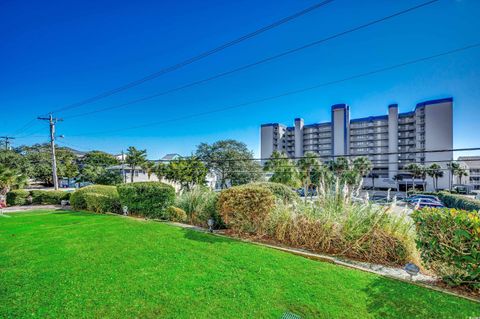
(149, 199)
(78, 200)
(449, 243)
(245, 208)
(44, 197)
(18, 197)
(200, 204)
(100, 203)
(175, 214)
(280, 191)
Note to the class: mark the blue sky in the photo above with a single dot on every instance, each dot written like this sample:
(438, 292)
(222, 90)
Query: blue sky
(56, 53)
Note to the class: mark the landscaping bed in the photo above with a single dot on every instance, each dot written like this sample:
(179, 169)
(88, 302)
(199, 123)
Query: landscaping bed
(78, 264)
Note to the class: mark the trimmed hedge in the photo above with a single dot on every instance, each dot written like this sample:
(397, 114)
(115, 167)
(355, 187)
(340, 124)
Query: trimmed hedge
(245, 208)
(18, 197)
(449, 243)
(42, 197)
(39, 197)
(78, 200)
(100, 203)
(149, 199)
(280, 191)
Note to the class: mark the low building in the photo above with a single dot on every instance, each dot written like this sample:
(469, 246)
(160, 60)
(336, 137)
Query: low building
(472, 165)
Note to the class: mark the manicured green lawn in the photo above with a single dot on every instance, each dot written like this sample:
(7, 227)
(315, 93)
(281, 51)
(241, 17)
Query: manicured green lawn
(79, 265)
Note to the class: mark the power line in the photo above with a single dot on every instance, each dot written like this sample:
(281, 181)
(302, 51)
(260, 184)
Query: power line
(6, 141)
(289, 93)
(196, 58)
(262, 61)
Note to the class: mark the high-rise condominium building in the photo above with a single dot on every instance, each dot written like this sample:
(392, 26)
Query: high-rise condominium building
(390, 141)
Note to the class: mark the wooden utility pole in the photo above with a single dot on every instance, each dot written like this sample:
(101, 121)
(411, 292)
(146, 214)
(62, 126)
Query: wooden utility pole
(52, 121)
(7, 141)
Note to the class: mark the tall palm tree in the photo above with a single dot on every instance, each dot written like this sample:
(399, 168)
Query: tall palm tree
(415, 170)
(453, 168)
(135, 158)
(435, 171)
(306, 165)
(461, 173)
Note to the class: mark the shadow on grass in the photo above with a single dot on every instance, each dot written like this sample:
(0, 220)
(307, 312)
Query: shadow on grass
(388, 298)
(204, 237)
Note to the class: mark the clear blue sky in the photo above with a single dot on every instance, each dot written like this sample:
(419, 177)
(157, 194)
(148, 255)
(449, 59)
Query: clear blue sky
(54, 53)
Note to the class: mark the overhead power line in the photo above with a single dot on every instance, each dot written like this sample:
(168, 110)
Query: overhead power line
(288, 93)
(259, 62)
(194, 59)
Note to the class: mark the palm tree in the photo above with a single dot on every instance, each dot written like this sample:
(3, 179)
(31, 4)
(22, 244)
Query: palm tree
(283, 169)
(362, 165)
(135, 158)
(306, 165)
(149, 167)
(435, 171)
(423, 175)
(10, 178)
(373, 176)
(415, 170)
(453, 168)
(461, 173)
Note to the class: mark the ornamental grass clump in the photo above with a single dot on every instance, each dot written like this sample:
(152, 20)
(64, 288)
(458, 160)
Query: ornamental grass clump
(449, 242)
(336, 224)
(199, 204)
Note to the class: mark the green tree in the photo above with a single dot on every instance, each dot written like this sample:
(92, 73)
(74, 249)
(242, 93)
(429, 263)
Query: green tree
(306, 165)
(453, 168)
(361, 167)
(10, 178)
(415, 170)
(461, 173)
(435, 172)
(70, 171)
(160, 170)
(109, 177)
(283, 169)
(231, 161)
(188, 172)
(94, 167)
(339, 166)
(149, 168)
(135, 158)
(39, 157)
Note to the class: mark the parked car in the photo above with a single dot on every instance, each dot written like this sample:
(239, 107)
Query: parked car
(414, 198)
(426, 202)
(311, 192)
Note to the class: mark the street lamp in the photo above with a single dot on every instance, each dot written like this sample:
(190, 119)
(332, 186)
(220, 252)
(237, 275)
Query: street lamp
(411, 269)
(210, 223)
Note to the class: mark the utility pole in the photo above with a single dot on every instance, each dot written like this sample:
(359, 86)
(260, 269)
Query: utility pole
(7, 141)
(52, 121)
(124, 176)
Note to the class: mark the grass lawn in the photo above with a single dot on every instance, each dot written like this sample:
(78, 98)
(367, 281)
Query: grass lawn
(79, 265)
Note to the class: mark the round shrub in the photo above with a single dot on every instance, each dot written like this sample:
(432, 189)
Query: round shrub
(149, 199)
(100, 203)
(280, 191)
(78, 201)
(175, 214)
(449, 243)
(245, 208)
(18, 197)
